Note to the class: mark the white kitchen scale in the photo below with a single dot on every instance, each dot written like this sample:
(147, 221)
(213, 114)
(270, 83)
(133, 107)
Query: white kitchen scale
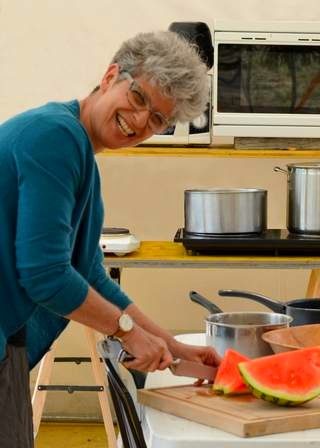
(118, 241)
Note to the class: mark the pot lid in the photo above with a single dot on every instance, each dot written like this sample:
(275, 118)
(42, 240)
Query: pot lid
(224, 190)
(304, 165)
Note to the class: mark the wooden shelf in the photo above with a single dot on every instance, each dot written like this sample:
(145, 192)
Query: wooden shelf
(168, 254)
(162, 151)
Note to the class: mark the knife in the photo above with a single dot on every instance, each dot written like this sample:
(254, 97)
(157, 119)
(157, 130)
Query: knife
(181, 367)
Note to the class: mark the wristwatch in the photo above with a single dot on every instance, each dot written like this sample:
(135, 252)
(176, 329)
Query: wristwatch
(125, 322)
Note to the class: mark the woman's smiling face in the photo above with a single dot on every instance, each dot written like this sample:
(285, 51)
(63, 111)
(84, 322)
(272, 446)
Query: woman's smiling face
(114, 122)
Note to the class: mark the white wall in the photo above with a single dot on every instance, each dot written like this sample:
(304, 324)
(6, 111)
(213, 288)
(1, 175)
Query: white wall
(59, 49)
(55, 49)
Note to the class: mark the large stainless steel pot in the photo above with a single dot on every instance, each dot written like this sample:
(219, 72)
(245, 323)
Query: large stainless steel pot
(241, 330)
(225, 211)
(303, 197)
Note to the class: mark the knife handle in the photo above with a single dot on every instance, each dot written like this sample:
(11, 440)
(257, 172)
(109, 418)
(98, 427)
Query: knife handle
(175, 363)
(124, 356)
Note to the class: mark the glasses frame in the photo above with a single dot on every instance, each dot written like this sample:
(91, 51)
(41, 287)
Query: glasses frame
(134, 85)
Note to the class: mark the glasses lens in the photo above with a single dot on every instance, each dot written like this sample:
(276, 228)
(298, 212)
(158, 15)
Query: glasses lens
(157, 121)
(138, 100)
(136, 97)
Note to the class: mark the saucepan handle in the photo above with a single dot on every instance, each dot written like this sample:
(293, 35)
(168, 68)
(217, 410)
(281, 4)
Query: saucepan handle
(198, 298)
(274, 305)
(278, 169)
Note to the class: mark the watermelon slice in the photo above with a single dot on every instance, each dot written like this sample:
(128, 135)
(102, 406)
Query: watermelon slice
(228, 379)
(287, 379)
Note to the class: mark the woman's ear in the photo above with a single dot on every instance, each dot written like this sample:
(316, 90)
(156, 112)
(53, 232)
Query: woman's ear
(110, 76)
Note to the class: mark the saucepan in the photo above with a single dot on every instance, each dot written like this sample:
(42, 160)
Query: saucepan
(225, 211)
(303, 311)
(303, 197)
(241, 330)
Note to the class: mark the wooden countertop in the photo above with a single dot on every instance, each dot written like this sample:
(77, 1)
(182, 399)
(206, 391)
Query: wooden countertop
(165, 254)
(161, 151)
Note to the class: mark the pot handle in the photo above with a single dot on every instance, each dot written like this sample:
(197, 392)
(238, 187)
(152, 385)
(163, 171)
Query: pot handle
(274, 305)
(278, 169)
(198, 298)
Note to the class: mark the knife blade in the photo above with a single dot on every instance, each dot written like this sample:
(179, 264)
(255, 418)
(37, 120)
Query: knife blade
(181, 367)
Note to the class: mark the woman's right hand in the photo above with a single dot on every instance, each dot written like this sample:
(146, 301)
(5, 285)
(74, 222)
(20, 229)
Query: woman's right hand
(150, 352)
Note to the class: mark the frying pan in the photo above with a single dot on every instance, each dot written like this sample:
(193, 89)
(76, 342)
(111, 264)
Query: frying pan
(303, 311)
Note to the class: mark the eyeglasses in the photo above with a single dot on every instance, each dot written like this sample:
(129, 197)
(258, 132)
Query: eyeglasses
(139, 101)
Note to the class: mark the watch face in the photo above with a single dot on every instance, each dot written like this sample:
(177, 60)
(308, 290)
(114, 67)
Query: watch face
(125, 322)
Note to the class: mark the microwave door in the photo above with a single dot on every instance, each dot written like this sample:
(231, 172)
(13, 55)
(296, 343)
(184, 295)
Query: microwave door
(268, 84)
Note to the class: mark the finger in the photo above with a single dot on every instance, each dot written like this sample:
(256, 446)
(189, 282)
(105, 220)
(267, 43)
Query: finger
(212, 359)
(166, 361)
(150, 365)
(198, 382)
(142, 365)
(137, 364)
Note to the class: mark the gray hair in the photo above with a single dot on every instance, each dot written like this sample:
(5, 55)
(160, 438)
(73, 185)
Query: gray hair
(167, 60)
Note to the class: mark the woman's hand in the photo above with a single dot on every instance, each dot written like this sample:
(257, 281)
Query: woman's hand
(150, 352)
(202, 354)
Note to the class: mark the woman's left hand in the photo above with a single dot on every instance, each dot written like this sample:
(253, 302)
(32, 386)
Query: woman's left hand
(202, 354)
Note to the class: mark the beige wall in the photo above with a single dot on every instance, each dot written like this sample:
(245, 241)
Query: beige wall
(152, 190)
(56, 50)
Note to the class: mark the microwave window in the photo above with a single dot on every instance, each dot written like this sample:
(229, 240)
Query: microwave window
(281, 79)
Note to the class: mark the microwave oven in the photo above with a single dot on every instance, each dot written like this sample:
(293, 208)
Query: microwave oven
(196, 132)
(266, 79)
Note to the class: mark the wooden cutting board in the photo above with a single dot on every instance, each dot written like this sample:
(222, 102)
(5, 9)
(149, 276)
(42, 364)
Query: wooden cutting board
(244, 416)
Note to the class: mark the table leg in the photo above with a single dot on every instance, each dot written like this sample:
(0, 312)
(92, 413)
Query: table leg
(44, 377)
(39, 396)
(313, 290)
(101, 378)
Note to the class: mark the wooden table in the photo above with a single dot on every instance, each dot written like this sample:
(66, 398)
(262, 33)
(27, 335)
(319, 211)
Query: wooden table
(167, 254)
(164, 430)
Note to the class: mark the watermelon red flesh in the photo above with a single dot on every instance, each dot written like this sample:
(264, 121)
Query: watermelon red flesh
(287, 378)
(228, 379)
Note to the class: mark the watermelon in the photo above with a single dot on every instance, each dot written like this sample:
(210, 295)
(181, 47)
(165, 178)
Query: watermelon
(228, 379)
(287, 379)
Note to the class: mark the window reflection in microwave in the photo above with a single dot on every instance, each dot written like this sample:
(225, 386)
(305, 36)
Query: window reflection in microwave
(269, 78)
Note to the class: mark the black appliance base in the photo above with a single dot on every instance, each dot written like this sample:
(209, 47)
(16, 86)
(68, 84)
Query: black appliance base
(271, 242)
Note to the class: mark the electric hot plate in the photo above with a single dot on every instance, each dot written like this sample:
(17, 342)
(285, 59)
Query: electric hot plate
(271, 242)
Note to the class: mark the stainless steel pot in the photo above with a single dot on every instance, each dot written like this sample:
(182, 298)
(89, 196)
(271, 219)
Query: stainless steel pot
(241, 331)
(225, 211)
(303, 197)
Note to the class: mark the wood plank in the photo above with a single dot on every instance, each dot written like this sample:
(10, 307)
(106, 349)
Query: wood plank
(101, 379)
(244, 416)
(313, 290)
(39, 396)
(276, 143)
(229, 151)
(171, 254)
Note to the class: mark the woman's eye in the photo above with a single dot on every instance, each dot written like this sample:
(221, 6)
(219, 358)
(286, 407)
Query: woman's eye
(157, 120)
(138, 98)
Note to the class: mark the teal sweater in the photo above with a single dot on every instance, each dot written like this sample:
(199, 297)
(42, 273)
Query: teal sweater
(51, 216)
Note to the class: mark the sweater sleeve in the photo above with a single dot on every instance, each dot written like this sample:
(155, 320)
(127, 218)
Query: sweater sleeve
(100, 280)
(50, 166)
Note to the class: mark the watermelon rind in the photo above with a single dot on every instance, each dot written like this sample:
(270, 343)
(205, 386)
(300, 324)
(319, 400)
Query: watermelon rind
(275, 396)
(224, 390)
